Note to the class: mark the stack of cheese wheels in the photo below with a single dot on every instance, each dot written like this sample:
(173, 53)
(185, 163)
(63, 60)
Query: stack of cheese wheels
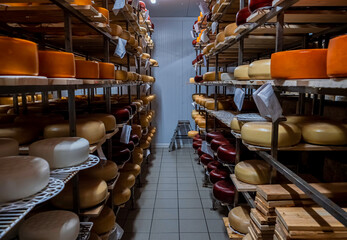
(219, 38)
(54, 225)
(108, 120)
(260, 133)
(131, 168)
(61, 152)
(116, 30)
(8, 147)
(22, 134)
(104, 222)
(121, 194)
(22, 176)
(93, 131)
(227, 76)
(260, 69)
(229, 30)
(325, 133)
(106, 70)
(54, 64)
(125, 35)
(299, 64)
(18, 57)
(87, 69)
(236, 125)
(241, 72)
(239, 219)
(211, 76)
(336, 57)
(192, 134)
(253, 172)
(105, 170)
(92, 191)
(207, 48)
(138, 156)
(121, 75)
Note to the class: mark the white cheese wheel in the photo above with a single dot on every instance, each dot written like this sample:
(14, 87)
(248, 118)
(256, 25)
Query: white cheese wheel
(106, 170)
(8, 147)
(22, 134)
(108, 120)
(121, 195)
(260, 69)
(219, 38)
(131, 168)
(227, 76)
(52, 225)
(230, 30)
(61, 152)
(260, 133)
(241, 72)
(22, 176)
(104, 222)
(236, 125)
(211, 76)
(239, 219)
(325, 133)
(253, 172)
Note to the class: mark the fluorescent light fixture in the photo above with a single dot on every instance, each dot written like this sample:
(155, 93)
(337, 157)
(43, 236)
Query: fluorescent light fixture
(153, 1)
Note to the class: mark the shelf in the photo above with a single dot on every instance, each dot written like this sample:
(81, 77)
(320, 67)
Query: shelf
(241, 186)
(112, 183)
(95, 212)
(232, 234)
(111, 134)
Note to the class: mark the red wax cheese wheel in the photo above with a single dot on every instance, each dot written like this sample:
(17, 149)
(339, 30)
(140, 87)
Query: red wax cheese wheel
(256, 4)
(217, 142)
(198, 78)
(337, 57)
(218, 175)
(18, 57)
(197, 144)
(206, 159)
(106, 70)
(242, 15)
(213, 165)
(87, 69)
(122, 115)
(227, 153)
(54, 64)
(299, 64)
(224, 191)
(212, 135)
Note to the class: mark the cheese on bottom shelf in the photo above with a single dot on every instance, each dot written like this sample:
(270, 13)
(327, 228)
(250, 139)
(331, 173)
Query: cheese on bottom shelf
(8, 147)
(241, 72)
(260, 69)
(325, 133)
(22, 176)
(52, 225)
(55, 64)
(260, 134)
(239, 219)
(104, 222)
(253, 172)
(121, 195)
(87, 69)
(211, 76)
(106, 70)
(105, 170)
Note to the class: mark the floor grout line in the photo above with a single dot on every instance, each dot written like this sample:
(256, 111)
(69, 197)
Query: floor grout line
(178, 203)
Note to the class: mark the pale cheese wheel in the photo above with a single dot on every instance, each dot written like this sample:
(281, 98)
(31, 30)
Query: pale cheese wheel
(105, 170)
(260, 69)
(53, 225)
(61, 152)
(86, 69)
(22, 176)
(227, 76)
(125, 35)
(192, 134)
(260, 133)
(116, 30)
(191, 80)
(211, 76)
(23, 135)
(108, 119)
(106, 70)
(324, 133)
(229, 30)
(253, 172)
(55, 64)
(236, 125)
(239, 219)
(241, 72)
(126, 179)
(219, 38)
(104, 222)
(121, 75)
(121, 195)
(8, 147)
(131, 168)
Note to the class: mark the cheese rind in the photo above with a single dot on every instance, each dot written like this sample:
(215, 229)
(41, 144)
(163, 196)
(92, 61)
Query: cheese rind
(324, 133)
(104, 222)
(241, 72)
(116, 30)
(23, 135)
(219, 38)
(8, 147)
(55, 64)
(236, 125)
(253, 172)
(229, 30)
(106, 170)
(239, 219)
(192, 134)
(260, 69)
(131, 168)
(336, 57)
(106, 70)
(108, 119)
(211, 76)
(126, 179)
(121, 75)
(87, 69)
(121, 195)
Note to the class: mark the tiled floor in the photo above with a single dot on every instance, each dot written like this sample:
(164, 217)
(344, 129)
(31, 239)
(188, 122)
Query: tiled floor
(172, 203)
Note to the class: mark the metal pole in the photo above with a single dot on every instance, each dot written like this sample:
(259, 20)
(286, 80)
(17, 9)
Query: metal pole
(279, 32)
(68, 31)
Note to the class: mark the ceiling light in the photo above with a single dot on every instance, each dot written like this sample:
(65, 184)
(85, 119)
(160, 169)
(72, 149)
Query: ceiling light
(153, 1)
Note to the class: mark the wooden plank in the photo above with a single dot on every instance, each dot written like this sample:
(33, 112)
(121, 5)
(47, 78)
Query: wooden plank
(262, 227)
(95, 212)
(286, 203)
(308, 219)
(231, 234)
(313, 16)
(260, 234)
(262, 219)
(263, 209)
(315, 3)
(23, 80)
(241, 186)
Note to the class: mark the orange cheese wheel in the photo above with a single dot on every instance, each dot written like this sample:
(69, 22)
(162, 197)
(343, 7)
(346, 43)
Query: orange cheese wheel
(121, 195)
(82, 2)
(87, 69)
(337, 57)
(104, 12)
(18, 57)
(299, 64)
(54, 64)
(131, 168)
(106, 70)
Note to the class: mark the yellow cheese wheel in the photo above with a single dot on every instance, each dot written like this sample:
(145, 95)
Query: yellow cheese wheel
(192, 134)
(239, 219)
(82, 2)
(154, 62)
(229, 30)
(54, 64)
(236, 125)
(116, 30)
(260, 133)
(18, 57)
(131, 168)
(211, 76)
(87, 69)
(221, 104)
(125, 179)
(108, 120)
(139, 50)
(145, 144)
(131, 41)
(299, 120)
(104, 12)
(125, 35)
(130, 76)
(93, 131)
(121, 195)
(260, 69)
(194, 113)
(105, 170)
(104, 222)
(219, 38)
(324, 133)
(92, 191)
(241, 72)
(253, 172)
(138, 150)
(145, 56)
(137, 158)
(121, 75)
(191, 80)
(106, 70)
(22, 134)
(136, 129)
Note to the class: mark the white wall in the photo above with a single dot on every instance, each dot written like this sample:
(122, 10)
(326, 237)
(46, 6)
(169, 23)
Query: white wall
(174, 52)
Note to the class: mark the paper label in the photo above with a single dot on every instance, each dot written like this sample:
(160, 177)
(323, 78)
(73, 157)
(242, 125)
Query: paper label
(205, 61)
(239, 97)
(136, 65)
(135, 4)
(148, 64)
(206, 148)
(101, 154)
(204, 8)
(193, 104)
(196, 27)
(119, 4)
(214, 27)
(125, 136)
(120, 49)
(120, 231)
(192, 33)
(204, 37)
(269, 98)
(145, 88)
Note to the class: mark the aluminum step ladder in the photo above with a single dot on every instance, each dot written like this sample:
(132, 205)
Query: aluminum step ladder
(181, 133)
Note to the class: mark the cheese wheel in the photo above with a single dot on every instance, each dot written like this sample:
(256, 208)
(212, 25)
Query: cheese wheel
(139, 50)
(18, 57)
(23, 135)
(93, 131)
(299, 64)
(253, 172)
(211, 76)
(260, 133)
(137, 158)
(227, 76)
(324, 133)
(92, 191)
(219, 38)
(61, 152)
(116, 30)
(229, 30)
(125, 35)
(336, 57)
(82, 2)
(145, 144)
(121, 75)
(104, 12)
(191, 80)
(87, 69)
(221, 104)
(241, 72)
(104, 222)
(242, 15)
(239, 219)
(94, 236)
(8, 147)
(17, 4)
(195, 113)
(131, 168)
(153, 62)
(22, 176)
(126, 179)
(106, 70)
(53, 225)
(108, 119)
(136, 129)
(145, 56)
(54, 64)
(192, 134)
(105, 170)
(299, 120)
(121, 195)
(236, 125)
(260, 69)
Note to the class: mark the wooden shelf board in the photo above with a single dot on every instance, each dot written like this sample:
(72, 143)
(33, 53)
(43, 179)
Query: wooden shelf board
(95, 212)
(231, 234)
(23, 80)
(94, 147)
(319, 3)
(241, 186)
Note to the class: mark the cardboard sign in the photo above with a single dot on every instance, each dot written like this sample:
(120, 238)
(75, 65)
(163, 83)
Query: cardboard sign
(125, 136)
(214, 27)
(204, 8)
(120, 49)
(239, 96)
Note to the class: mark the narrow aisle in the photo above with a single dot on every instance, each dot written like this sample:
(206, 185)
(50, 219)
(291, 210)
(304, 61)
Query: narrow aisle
(172, 204)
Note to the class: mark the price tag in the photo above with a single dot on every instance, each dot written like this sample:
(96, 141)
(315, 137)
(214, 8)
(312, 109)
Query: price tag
(205, 61)
(193, 104)
(125, 136)
(135, 4)
(214, 27)
(196, 27)
(269, 98)
(148, 64)
(120, 49)
(204, 8)
(192, 33)
(238, 98)
(119, 4)
(206, 149)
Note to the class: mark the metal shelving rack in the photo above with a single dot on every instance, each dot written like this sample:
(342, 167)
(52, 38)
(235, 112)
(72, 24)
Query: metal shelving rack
(318, 87)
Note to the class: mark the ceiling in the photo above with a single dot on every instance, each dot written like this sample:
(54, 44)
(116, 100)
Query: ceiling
(173, 8)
